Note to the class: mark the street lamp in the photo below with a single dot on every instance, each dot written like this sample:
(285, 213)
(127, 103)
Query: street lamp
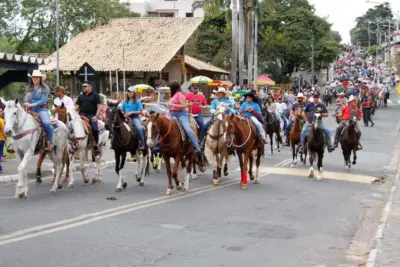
(58, 40)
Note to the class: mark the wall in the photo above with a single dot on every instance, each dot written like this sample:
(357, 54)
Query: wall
(181, 7)
(174, 70)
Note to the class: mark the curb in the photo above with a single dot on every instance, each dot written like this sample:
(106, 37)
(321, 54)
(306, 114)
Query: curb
(13, 178)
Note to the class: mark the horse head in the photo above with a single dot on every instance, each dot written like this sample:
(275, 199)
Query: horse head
(317, 120)
(12, 113)
(62, 112)
(220, 111)
(152, 129)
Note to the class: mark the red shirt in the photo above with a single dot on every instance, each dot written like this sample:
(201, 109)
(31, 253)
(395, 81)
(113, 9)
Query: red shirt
(197, 100)
(347, 112)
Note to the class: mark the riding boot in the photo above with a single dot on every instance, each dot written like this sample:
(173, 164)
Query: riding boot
(329, 145)
(286, 141)
(301, 149)
(49, 147)
(96, 150)
(336, 140)
(359, 146)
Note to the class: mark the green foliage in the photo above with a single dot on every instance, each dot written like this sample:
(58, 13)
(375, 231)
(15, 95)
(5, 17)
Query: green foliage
(39, 20)
(377, 15)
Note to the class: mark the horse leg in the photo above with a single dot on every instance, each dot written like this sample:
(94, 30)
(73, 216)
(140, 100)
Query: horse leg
(71, 171)
(117, 157)
(137, 166)
(22, 185)
(251, 159)
(169, 174)
(188, 170)
(294, 155)
(319, 165)
(278, 140)
(271, 137)
(193, 174)
(244, 171)
(346, 156)
(215, 167)
(144, 158)
(178, 160)
(66, 161)
(227, 161)
(98, 178)
(38, 168)
(82, 156)
(311, 170)
(258, 161)
(354, 156)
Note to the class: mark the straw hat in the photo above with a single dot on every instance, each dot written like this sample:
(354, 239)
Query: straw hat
(221, 90)
(36, 73)
(353, 98)
(300, 95)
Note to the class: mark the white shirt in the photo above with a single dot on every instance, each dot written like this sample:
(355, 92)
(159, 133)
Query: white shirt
(281, 107)
(67, 101)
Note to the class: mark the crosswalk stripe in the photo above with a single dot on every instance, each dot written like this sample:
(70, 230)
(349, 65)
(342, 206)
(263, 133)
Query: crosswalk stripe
(398, 101)
(390, 101)
(349, 177)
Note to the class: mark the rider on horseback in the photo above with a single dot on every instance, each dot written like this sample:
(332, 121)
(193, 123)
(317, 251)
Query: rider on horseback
(251, 109)
(196, 101)
(36, 99)
(88, 104)
(132, 108)
(271, 107)
(222, 95)
(348, 111)
(315, 107)
(301, 102)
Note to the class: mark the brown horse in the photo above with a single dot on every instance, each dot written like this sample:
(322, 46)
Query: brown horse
(349, 142)
(294, 138)
(61, 111)
(327, 97)
(172, 146)
(243, 137)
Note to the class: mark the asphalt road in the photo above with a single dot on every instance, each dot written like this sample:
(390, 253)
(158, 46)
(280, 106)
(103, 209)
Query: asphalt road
(287, 220)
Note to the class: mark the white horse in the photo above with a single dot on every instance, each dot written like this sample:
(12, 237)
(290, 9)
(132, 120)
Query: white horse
(216, 147)
(25, 132)
(79, 142)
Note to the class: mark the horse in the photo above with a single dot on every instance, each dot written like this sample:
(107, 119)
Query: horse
(327, 97)
(349, 142)
(27, 135)
(271, 126)
(316, 146)
(172, 146)
(216, 144)
(381, 99)
(61, 111)
(294, 137)
(80, 140)
(125, 139)
(243, 137)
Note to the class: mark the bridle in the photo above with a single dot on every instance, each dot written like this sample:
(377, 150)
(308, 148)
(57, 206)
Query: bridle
(117, 126)
(231, 131)
(219, 135)
(159, 132)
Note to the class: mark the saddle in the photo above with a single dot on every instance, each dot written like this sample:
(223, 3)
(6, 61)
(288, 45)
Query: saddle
(41, 144)
(193, 125)
(254, 129)
(86, 124)
(347, 126)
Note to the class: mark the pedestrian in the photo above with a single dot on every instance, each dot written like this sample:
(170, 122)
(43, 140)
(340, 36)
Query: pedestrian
(2, 139)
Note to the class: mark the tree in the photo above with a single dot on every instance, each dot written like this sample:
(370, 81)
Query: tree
(363, 33)
(38, 17)
(336, 36)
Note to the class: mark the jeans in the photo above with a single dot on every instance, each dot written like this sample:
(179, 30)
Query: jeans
(45, 119)
(2, 142)
(285, 122)
(367, 115)
(288, 127)
(307, 128)
(138, 125)
(205, 127)
(95, 128)
(183, 117)
(200, 121)
(259, 126)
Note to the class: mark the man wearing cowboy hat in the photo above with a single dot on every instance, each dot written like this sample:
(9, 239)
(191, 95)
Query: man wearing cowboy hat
(297, 107)
(348, 111)
(251, 109)
(89, 105)
(222, 97)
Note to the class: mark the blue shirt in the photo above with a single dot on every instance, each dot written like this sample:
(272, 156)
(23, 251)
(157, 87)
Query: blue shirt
(311, 108)
(37, 97)
(129, 106)
(215, 102)
(255, 107)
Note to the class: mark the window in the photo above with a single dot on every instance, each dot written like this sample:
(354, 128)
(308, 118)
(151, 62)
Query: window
(189, 15)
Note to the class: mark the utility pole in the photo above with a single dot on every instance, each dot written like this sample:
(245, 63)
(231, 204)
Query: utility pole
(377, 41)
(369, 38)
(58, 41)
(312, 58)
(388, 44)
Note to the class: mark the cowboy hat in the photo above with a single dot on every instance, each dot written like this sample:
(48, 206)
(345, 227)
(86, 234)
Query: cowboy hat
(300, 95)
(221, 90)
(352, 98)
(342, 93)
(35, 73)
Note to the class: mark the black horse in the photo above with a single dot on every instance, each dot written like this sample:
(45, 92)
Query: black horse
(271, 126)
(125, 139)
(316, 146)
(349, 142)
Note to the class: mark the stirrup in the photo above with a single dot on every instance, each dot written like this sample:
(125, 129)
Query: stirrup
(359, 147)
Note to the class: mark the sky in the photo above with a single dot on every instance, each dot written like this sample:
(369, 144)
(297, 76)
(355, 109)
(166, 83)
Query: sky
(342, 13)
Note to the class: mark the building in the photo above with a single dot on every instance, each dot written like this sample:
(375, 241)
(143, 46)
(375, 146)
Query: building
(132, 51)
(167, 8)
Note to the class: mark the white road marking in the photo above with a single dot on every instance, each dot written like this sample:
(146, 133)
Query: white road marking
(327, 175)
(96, 216)
(283, 162)
(389, 101)
(172, 226)
(398, 101)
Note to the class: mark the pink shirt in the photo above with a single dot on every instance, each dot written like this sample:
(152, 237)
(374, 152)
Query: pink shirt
(177, 99)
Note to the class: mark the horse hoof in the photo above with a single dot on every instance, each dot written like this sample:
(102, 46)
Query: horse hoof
(215, 181)
(226, 173)
(272, 153)
(252, 178)
(38, 181)
(179, 187)
(185, 189)
(94, 180)
(169, 192)
(125, 185)
(22, 195)
(202, 169)
(194, 176)
(70, 185)
(52, 191)
(311, 174)
(138, 178)
(346, 168)
(257, 181)
(86, 181)
(118, 190)
(244, 187)
(354, 162)
(59, 186)
(141, 183)
(279, 150)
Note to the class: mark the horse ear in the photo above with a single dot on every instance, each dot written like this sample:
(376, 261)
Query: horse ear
(16, 101)
(120, 113)
(62, 104)
(157, 115)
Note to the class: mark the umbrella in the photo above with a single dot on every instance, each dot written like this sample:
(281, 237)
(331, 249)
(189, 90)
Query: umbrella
(143, 87)
(221, 83)
(201, 79)
(240, 93)
(265, 80)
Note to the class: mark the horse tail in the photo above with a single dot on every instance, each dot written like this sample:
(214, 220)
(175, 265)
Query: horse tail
(147, 170)
(279, 138)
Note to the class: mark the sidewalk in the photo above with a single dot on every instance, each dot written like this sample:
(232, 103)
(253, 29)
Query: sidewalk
(10, 167)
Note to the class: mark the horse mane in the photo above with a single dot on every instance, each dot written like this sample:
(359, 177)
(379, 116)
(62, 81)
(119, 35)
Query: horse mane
(74, 114)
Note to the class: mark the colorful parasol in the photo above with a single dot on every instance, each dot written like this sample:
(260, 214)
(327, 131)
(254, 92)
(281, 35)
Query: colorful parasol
(240, 93)
(143, 87)
(201, 79)
(221, 83)
(265, 80)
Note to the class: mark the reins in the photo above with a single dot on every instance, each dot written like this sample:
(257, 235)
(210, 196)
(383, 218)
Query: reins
(245, 142)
